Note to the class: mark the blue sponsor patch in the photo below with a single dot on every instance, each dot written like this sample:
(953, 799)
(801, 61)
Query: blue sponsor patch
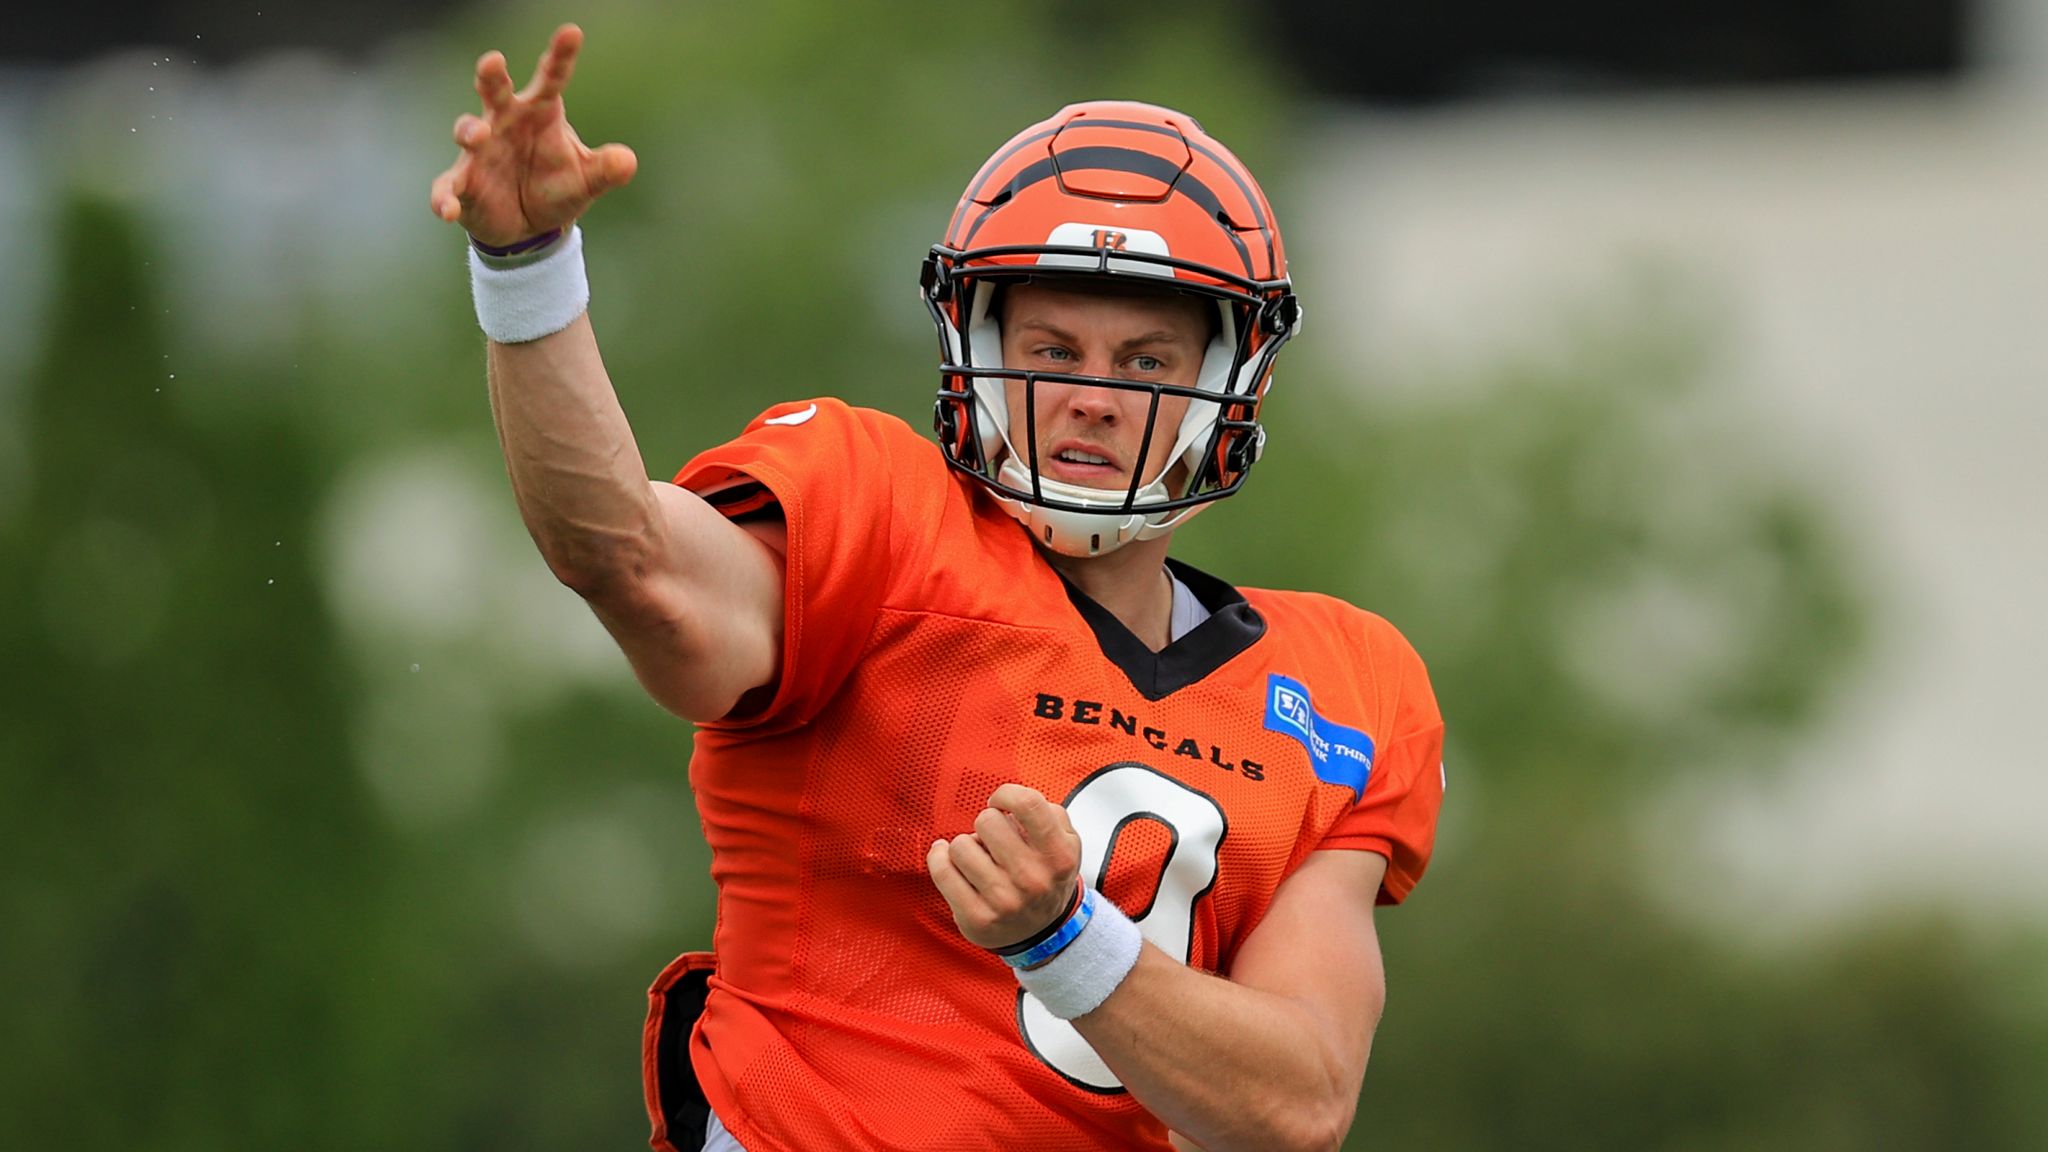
(1340, 755)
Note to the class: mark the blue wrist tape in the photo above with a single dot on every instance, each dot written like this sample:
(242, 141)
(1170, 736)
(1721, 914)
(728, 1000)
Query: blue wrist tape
(1056, 943)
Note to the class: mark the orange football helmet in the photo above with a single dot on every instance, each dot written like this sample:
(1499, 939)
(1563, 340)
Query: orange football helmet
(1140, 195)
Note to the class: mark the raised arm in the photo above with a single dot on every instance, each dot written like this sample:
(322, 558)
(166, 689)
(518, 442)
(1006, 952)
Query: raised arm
(694, 600)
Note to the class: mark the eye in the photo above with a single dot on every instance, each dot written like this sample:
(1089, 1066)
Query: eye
(1055, 352)
(1145, 363)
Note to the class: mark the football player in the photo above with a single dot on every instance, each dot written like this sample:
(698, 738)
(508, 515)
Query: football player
(1025, 835)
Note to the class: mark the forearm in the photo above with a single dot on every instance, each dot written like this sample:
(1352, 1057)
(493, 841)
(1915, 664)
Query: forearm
(1228, 1066)
(576, 471)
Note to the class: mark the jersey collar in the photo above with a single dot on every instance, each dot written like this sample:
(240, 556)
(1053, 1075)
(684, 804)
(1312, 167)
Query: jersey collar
(1233, 626)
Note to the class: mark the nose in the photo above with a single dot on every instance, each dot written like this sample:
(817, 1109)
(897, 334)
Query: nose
(1091, 404)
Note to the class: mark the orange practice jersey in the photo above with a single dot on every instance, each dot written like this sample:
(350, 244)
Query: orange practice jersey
(931, 654)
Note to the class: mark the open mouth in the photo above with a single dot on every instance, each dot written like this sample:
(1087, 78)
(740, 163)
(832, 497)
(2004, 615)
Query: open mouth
(1081, 464)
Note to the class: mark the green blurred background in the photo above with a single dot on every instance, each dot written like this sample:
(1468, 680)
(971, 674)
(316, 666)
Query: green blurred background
(331, 822)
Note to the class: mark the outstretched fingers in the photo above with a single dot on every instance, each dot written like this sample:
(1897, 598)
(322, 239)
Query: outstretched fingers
(471, 131)
(611, 166)
(493, 82)
(445, 196)
(557, 64)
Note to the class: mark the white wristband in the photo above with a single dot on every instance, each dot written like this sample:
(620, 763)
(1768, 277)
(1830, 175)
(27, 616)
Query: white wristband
(514, 305)
(1077, 981)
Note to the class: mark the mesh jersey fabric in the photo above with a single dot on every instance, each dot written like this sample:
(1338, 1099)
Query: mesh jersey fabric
(930, 654)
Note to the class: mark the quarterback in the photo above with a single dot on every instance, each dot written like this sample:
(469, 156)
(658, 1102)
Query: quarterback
(1025, 835)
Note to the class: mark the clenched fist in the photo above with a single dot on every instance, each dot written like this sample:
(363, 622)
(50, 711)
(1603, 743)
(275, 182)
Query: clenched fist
(1015, 874)
(523, 170)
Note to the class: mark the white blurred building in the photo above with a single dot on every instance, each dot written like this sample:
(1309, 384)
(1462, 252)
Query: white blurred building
(1883, 254)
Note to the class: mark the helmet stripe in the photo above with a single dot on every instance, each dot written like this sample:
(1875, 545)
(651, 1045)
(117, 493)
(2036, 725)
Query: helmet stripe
(988, 171)
(1125, 160)
(996, 162)
(1237, 176)
(1229, 164)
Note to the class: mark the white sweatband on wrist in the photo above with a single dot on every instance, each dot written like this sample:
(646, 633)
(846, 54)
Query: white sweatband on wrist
(514, 305)
(1077, 981)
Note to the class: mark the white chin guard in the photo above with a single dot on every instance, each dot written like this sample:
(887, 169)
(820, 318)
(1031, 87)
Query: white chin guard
(1086, 533)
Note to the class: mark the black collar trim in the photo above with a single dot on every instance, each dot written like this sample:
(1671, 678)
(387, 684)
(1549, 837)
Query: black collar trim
(1233, 626)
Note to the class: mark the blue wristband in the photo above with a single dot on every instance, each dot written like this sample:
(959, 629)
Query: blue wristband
(1056, 943)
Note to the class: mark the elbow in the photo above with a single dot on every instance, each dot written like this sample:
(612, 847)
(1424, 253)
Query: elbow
(618, 586)
(596, 570)
(1291, 1122)
(581, 575)
(599, 557)
(1318, 1128)
(1320, 1121)
(1330, 1136)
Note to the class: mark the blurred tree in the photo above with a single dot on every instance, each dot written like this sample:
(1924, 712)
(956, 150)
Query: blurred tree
(190, 859)
(321, 965)
(1616, 587)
